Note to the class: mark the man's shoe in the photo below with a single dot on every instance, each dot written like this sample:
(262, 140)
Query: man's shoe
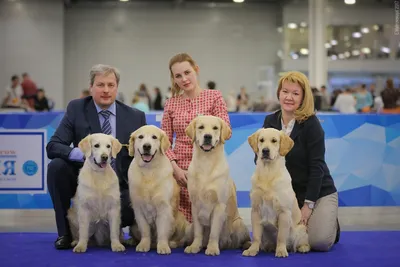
(337, 232)
(63, 242)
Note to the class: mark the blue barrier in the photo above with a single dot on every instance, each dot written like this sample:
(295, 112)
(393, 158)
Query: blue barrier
(362, 152)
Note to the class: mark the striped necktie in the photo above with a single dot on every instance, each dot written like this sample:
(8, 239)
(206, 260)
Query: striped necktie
(106, 129)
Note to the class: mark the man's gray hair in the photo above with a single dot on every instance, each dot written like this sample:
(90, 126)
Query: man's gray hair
(101, 69)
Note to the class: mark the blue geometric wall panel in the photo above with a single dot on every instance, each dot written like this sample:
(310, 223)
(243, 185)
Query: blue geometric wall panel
(362, 153)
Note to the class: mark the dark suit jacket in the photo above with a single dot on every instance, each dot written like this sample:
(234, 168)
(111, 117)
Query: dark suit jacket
(306, 164)
(81, 119)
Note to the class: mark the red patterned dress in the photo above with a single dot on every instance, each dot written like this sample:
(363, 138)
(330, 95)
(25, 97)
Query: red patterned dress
(178, 113)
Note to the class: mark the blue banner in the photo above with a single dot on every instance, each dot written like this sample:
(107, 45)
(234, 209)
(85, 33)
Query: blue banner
(362, 153)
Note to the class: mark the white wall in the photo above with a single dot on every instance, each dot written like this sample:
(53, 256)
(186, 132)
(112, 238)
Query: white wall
(228, 43)
(32, 40)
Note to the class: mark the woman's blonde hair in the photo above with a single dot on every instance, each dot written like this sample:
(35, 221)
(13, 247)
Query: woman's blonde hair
(306, 108)
(179, 58)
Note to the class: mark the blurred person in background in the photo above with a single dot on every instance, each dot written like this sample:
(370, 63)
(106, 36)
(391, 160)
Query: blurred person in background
(14, 93)
(345, 102)
(139, 102)
(157, 105)
(211, 85)
(390, 97)
(242, 100)
(188, 101)
(41, 102)
(144, 92)
(364, 99)
(29, 89)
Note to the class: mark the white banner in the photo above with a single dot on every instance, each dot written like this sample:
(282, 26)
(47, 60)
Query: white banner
(23, 161)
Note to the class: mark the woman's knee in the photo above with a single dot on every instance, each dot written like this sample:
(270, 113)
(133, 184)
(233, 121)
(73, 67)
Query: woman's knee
(321, 241)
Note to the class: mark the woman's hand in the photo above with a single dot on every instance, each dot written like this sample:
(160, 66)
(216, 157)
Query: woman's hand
(305, 214)
(179, 175)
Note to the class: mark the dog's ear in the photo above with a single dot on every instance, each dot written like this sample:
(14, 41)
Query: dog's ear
(253, 141)
(286, 144)
(225, 131)
(115, 147)
(131, 147)
(85, 146)
(165, 143)
(191, 130)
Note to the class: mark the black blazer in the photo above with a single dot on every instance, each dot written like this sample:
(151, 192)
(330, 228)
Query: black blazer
(81, 119)
(306, 164)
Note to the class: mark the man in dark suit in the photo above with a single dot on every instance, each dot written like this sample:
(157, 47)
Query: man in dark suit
(97, 113)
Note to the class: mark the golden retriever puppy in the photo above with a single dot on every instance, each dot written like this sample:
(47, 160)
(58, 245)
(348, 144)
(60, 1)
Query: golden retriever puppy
(95, 212)
(275, 215)
(216, 221)
(154, 192)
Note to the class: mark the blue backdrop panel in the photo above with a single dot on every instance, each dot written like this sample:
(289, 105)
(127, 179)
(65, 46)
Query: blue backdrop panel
(362, 152)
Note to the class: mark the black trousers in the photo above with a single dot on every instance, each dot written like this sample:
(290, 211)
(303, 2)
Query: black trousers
(62, 181)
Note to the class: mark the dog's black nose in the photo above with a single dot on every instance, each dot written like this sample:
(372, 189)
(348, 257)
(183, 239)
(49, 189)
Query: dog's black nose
(207, 137)
(265, 151)
(146, 147)
(104, 157)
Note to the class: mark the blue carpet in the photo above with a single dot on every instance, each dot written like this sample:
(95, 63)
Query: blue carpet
(363, 249)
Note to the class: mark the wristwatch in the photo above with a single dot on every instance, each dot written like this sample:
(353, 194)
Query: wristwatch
(310, 204)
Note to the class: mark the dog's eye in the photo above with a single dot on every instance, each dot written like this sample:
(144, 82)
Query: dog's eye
(201, 127)
(273, 140)
(261, 140)
(140, 136)
(154, 137)
(96, 145)
(108, 146)
(215, 128)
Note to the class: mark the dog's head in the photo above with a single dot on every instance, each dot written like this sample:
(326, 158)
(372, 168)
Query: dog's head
(270, 143)
(147, 141)
(208, 131)
(99, 148)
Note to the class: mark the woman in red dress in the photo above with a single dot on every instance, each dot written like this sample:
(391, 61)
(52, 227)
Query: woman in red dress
(188, 101)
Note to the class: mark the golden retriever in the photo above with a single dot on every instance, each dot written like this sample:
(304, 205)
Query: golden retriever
(154, 192)
(275, 215)
(216, 220)
(95, 212)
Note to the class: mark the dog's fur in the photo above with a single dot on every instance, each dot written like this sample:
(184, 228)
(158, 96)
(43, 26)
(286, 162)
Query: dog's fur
(95, 213)
(154, 193)
(216, 221)
(275, 215)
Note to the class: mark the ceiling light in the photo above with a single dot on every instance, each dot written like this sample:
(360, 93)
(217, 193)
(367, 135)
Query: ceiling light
(334, 42)
(238, 1)
(366, 50)
(347, 54)
(334, 57)
(365, 30)
(124, 0)
(356, 35)
(349, 2)
(292, 25)
(295, 56)
(385, 50)
(355, 53)
(304, 51)
(341, 56)
(375, 27)
(327, 45)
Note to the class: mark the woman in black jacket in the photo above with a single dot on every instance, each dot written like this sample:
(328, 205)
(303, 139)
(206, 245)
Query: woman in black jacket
(311, 180)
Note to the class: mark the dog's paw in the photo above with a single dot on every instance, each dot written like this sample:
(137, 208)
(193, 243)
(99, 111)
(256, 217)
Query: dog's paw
(192, 249)
(74, 243)
(117, 247)
(173, 244)
(281, 252)
(303, 248)
(143, 246)
(163, 248)
(212, 250)
(81, 247)
(252, 251)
